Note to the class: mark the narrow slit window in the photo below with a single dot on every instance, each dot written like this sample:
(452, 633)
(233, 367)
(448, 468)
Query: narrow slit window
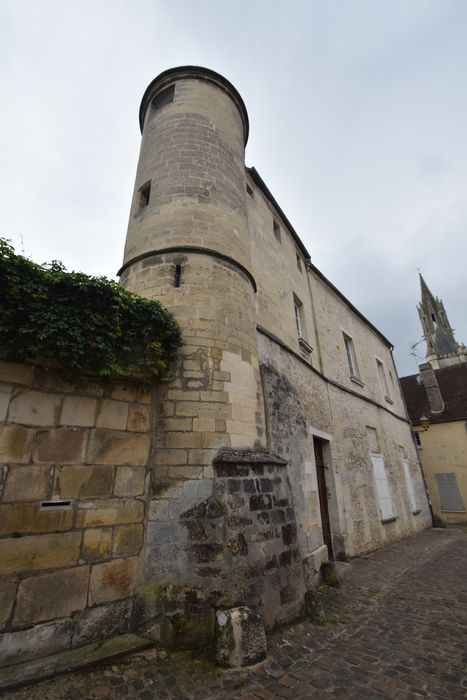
(299, 262)
(144, 197)
(277, 230)
(249, 190)
(163, 98)
(178, 276)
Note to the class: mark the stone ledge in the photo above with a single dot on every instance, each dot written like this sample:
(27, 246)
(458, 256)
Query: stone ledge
(39, 669)
(247, 456)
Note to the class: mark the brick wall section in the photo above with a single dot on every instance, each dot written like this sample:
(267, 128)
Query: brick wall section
(69, 572)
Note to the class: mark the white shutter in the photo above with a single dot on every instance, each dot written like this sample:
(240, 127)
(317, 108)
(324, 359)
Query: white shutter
(382, 487)
(410, 488)
(451, 499)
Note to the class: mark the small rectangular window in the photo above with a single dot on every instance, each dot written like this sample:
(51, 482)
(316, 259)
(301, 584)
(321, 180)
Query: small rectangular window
(277, 231)
(382, 488)
(351, 356)
(383, 380)
(449, 493)
(299, 262)
(299, 322)
(164, 97)
(418, 442)
(410, 487)
(249, 190)
(144, 196)
(178, 276)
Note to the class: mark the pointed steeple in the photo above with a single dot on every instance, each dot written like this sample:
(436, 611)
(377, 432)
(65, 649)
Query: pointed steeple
(441, 346)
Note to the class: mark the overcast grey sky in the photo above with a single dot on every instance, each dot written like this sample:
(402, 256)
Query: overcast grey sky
(358, 115)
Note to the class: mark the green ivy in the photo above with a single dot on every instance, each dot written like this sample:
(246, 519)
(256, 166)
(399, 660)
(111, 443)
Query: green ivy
(78, 323)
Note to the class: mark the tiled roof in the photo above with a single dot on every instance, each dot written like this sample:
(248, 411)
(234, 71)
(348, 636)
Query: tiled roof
(452, 382)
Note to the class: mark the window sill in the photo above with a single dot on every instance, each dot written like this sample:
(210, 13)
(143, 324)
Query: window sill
(356, 380)
(389, 520)
(416, 512)
(452, 510)
(304, 345)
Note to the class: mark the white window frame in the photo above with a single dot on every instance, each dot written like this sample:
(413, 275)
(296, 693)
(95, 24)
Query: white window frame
(298, 311)
(410, 486)
(383, 492)
(383, 379)
(349, 347)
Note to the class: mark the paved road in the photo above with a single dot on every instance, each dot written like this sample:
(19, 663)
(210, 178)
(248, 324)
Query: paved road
(396, 629)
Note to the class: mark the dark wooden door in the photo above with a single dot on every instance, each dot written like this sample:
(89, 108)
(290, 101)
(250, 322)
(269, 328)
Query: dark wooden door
(323, 496)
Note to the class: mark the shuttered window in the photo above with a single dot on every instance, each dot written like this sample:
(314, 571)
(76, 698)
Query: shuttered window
(449, 492)
(410, 487)
(382, 488)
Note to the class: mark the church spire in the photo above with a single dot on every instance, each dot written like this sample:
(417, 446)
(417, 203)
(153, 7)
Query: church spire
(442, 349)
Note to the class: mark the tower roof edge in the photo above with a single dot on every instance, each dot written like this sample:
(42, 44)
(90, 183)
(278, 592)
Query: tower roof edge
(198, 73)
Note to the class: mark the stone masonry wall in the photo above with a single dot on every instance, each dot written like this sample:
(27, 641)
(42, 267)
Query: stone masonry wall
(74, 468)
(221, 543)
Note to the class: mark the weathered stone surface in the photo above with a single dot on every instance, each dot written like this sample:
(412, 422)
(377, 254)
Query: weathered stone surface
(240, 637)
(60, 446)
(40, 552)
(115, 511)
(138, 418)
(84, 482)
(128, 540)
(26, 484)
(112, 447)
(97, 544)
(34, 408)
(40, 640)
(7, 598)
(79, 411)
(30, 518)
(112, 414)
(5, 392)
(49, 596)
(15, 443)
(129, 481)
(16, 373)
(101, 622)
(112, 581)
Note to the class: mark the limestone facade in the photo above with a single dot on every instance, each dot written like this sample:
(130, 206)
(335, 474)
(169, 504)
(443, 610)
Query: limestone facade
(277, 363)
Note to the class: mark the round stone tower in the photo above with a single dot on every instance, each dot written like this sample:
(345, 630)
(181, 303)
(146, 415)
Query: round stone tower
(188, 246)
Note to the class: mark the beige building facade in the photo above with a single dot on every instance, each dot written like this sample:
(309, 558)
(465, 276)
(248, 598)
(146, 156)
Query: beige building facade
(282, 436)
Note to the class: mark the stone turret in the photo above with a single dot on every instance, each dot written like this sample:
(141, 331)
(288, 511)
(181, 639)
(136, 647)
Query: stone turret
(188, 246)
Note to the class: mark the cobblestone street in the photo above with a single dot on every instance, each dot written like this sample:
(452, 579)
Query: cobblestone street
(397, 628)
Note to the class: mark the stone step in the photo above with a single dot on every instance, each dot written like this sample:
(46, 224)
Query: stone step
(46, 667)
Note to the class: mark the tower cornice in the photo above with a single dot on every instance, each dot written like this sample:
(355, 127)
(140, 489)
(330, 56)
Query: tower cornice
(167, 77)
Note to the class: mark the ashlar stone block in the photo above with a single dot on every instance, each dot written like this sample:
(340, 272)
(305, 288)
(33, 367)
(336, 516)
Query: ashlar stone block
(97, 543)
(129, 481)
(112, 580)
(31, 518)
(114, 511)
(34, 408)
(49, 596)
(39, 552)
(26, 483)
(60, 446)
(84, 482)
(79, 411)
(112, 414)
(15, 443)
(114, 447)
